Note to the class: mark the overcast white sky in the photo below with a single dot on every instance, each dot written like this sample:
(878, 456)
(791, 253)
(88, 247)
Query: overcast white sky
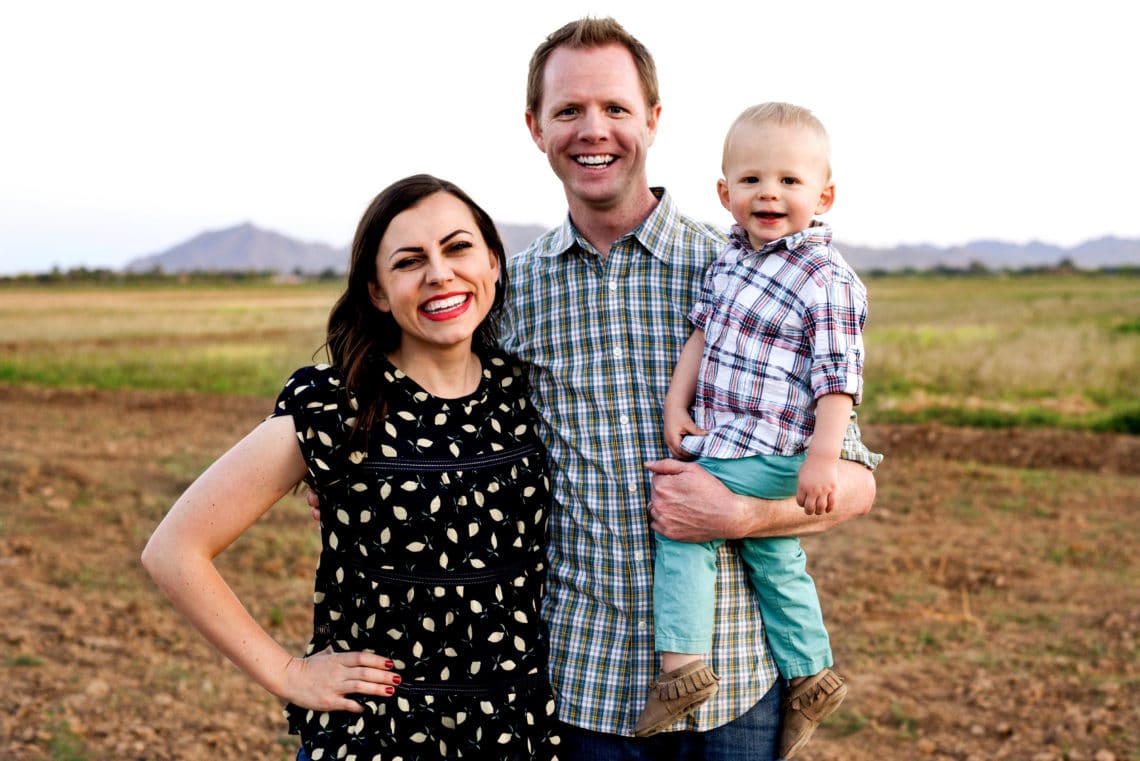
(130, 127)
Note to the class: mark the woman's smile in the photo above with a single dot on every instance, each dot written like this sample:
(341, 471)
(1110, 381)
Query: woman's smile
(446, 307)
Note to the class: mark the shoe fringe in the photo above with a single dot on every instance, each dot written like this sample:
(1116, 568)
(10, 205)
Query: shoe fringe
(827, 683)
(687, 684)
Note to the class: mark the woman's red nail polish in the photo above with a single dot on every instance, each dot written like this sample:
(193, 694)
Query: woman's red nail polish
(395, 680)
(388, 664)
(388, 690)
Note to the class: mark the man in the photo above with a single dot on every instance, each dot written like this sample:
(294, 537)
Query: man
(598, 309)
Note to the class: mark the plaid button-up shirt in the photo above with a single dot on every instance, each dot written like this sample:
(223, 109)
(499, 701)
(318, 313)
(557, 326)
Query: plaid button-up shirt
(602, 335)
(783, 326)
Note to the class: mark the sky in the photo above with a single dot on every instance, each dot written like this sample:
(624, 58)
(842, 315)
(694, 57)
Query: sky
(130, 127)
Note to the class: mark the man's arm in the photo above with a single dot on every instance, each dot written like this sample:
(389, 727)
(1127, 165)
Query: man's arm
(689, 504)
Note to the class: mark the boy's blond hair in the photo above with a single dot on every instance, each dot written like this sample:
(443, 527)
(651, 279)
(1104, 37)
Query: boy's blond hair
(785, 115)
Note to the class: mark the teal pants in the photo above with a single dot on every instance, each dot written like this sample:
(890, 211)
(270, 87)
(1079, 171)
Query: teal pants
(684, 578)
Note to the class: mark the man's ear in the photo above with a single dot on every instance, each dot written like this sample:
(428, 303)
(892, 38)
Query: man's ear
(535, 128)
(654, 117)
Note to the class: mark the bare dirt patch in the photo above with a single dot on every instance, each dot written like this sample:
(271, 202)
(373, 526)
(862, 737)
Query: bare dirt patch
(986, 609)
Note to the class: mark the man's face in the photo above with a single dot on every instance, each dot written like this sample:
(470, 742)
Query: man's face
(594, 126)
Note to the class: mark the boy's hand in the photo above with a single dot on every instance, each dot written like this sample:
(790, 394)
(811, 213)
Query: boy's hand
(679, 424)
(818, 481)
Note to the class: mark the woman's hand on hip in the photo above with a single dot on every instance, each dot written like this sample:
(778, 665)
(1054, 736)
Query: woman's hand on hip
(324, 681)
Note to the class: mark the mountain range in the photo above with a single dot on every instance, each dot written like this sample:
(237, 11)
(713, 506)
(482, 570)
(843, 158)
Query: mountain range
(249, 248)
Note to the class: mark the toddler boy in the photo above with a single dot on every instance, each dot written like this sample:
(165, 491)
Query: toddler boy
(771, 372)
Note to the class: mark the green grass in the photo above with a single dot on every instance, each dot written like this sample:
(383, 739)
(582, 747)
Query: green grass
(906, 724)
(234, 339)
(228, 365)
(64, 744)
(1127, 326)
(847, 721)
(1003, 351)
(1056, 350)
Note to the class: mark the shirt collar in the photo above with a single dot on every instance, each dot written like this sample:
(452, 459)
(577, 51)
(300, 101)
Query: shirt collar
(655, 233)
(817, 233)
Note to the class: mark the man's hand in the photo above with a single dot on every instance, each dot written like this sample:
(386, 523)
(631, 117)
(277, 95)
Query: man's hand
(689, 504)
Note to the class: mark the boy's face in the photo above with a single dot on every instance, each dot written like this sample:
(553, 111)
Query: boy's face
(594, 126)
(775, 180)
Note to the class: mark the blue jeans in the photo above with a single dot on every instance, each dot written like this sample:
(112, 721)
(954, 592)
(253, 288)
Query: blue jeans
(751, 737)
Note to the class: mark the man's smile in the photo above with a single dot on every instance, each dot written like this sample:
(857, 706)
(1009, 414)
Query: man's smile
(604, 159)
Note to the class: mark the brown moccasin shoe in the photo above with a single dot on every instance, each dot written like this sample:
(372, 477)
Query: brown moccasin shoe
(806, 705)
(675, 694)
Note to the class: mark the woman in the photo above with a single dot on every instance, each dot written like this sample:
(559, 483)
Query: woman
(422, 446)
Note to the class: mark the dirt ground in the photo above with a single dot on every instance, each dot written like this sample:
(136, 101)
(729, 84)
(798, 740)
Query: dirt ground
(987, 608)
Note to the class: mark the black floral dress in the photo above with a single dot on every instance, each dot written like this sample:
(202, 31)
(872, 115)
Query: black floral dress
(433, 530)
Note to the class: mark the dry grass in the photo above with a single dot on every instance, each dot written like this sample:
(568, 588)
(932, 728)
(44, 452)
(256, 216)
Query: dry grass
(1058, 349)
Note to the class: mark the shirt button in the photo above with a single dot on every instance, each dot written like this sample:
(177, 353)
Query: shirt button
(632, 488)
(613, 285)
(624, 419)
(617, 353)
(639, 555)
(642, 626)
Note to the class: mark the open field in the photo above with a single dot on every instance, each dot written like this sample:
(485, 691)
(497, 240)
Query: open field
(1053, 350)
(1023, 349)
(238, 339)
(988, 608)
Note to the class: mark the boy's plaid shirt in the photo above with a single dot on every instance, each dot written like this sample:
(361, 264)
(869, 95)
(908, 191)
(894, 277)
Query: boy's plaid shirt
(783, 326)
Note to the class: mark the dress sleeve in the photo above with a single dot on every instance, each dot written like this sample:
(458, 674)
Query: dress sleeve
(302, 392)
(315, 399)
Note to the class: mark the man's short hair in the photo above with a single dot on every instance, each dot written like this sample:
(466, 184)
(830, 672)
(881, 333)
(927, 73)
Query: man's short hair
(591, 33)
